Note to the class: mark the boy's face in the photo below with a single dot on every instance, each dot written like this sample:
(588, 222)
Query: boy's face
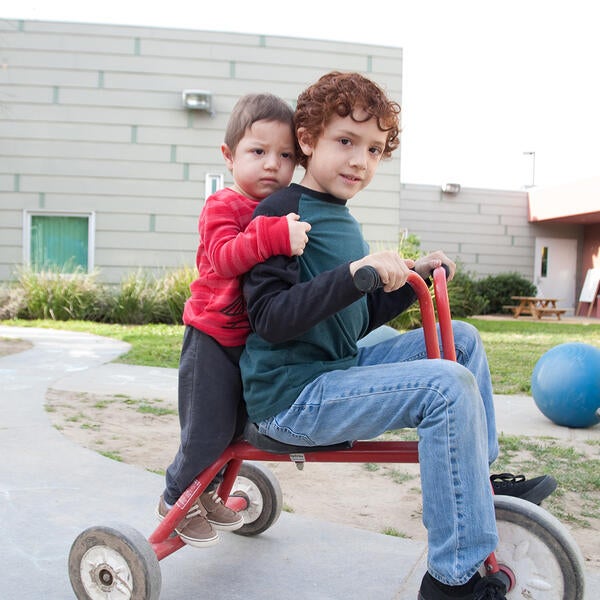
(343, 160)
(264, 160)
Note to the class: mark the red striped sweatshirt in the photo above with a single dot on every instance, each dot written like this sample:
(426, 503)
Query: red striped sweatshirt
(231, 243)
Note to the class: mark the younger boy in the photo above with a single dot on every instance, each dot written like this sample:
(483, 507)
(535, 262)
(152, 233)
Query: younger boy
(261, 153)
(307, 383)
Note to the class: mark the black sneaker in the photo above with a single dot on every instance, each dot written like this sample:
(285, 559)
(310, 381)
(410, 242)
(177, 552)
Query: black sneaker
(533, 490)
(477, 588)
(491, 587)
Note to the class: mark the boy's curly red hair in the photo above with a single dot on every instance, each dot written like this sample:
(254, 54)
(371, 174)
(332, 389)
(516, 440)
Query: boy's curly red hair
(338, 93)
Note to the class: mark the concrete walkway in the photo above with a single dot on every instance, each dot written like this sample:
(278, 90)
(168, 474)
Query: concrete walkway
(52, 489)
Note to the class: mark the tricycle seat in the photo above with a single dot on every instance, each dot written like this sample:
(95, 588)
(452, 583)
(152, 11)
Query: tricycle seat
(268, 444)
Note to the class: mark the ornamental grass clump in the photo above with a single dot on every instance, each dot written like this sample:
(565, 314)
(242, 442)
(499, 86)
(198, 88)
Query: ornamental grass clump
(59, 295)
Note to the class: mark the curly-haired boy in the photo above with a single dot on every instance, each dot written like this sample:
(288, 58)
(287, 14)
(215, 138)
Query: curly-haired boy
(306, 381)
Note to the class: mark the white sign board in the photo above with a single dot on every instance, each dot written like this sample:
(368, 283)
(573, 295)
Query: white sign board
(590, 286)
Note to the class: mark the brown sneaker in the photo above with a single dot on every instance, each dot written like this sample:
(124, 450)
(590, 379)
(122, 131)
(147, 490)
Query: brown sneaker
(219, 515)
(193, 529)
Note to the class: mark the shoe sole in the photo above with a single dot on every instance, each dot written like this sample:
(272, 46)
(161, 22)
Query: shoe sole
(196, 543)
(227, 526)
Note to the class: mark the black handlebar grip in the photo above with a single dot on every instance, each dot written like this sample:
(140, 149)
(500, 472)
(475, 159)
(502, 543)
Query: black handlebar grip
(367, 280)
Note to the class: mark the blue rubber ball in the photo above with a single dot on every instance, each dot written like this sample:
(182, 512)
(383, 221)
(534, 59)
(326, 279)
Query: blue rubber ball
(566, 385)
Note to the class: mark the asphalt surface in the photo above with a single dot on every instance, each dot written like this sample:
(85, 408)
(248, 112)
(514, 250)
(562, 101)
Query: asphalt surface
(52, 489)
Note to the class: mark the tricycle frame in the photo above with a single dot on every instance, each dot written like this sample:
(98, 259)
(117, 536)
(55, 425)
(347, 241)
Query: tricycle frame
(537, 553)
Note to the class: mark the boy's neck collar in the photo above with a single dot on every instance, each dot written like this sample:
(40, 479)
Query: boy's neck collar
(326, 197)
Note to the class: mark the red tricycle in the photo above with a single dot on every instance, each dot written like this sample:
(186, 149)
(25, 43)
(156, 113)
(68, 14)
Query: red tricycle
(536, 555)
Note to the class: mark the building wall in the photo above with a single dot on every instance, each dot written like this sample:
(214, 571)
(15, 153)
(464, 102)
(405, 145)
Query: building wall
(487, 231)
(591, 248)
(91, 120)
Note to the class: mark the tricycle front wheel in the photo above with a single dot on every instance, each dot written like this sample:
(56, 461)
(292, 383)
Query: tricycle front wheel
(539, 551)
(114, 562)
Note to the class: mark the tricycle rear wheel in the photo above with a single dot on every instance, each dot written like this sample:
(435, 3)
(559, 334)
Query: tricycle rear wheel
(262, 493)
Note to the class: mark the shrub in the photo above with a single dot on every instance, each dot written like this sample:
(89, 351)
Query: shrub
(462, 290)
(498, 289)
(463, 298)
(173, 290)
(53, 294)
(143, 298)
(11, 302)
(409, 246)
(463, 294)
(136, 301)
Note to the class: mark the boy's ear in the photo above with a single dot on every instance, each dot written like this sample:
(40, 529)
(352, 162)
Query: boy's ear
(304, 141)
(228, 156)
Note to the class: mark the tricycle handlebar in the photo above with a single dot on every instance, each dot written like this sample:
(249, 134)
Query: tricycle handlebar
(367, 280)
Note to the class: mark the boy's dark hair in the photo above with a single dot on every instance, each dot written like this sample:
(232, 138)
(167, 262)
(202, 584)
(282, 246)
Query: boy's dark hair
(341, 94)
(256, 107)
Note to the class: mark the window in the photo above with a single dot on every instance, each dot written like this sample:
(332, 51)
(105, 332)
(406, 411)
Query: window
(61, 241)
(213, 183)
(544, 262)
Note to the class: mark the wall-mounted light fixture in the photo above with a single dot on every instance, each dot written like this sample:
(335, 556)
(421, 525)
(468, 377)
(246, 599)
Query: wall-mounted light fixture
(451, 188)
(197, 100)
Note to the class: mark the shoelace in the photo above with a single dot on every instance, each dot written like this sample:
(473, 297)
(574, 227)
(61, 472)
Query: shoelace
(195, 511)
(507, 478)
(216, 498)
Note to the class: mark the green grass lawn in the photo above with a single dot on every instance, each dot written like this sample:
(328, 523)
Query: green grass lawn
(151, 345)
(513, 346)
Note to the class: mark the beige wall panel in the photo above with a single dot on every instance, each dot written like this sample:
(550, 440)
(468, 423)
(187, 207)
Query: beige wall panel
(111, 187)
(373, 215)
(114, 169)
(67, 43)
(100, 115)
(135, 257)
(380, 234)
(63, 131)
(203, 134)
(92, 150)
(10, 237)
(119, 204)
(55, 77)
(10, 220)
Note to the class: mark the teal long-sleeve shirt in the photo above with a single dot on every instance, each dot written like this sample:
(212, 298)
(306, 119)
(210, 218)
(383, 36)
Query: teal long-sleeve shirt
(305, 312)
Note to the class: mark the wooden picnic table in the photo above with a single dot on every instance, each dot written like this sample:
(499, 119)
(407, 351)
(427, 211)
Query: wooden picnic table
(536, 307)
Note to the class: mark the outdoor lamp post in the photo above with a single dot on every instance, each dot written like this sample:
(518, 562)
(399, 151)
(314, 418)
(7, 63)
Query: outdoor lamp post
(532, 154)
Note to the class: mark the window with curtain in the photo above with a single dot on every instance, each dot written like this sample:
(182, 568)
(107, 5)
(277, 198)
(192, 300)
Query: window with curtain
(59, 242)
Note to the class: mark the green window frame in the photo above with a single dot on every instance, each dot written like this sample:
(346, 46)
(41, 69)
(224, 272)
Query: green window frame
(59, 241)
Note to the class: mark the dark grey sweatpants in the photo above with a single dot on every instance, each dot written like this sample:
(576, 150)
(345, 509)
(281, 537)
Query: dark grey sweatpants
(211, 408)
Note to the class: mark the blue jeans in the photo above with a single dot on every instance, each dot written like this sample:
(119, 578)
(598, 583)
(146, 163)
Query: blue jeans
(450, 403)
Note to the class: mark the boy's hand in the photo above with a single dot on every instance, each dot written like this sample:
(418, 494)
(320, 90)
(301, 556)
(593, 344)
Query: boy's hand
(426, 264)
(298, 230)
(392, 268)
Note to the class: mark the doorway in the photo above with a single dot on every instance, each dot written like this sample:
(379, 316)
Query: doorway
(555, 269)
